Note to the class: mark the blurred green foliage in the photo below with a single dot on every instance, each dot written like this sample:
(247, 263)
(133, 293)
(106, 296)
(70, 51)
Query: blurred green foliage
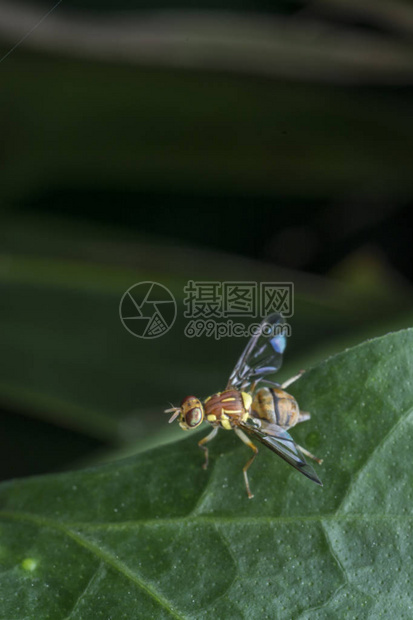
(77, 126)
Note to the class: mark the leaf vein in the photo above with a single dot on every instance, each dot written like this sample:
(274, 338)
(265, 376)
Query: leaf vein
(359, 474)
(104, 555)
(84, 592)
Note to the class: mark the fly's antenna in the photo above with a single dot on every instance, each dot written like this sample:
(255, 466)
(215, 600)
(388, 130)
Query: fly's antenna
(175, 413)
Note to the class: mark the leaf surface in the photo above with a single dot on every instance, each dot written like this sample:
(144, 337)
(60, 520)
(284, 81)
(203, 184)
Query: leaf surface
(155, 536)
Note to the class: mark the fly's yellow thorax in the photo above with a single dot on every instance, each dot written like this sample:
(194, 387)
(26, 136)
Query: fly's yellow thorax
(228, 408)
(247, 400)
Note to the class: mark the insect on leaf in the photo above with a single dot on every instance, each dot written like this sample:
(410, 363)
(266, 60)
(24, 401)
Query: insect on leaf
(156, 536)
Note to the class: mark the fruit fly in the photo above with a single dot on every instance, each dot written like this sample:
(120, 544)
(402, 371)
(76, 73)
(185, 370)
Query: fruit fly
(252, 405)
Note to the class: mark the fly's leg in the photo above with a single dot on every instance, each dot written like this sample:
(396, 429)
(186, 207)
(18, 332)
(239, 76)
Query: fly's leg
(246, 387)
(290, 381)
(205, 440)
(303, 416)
(310, 456)
(249, 443)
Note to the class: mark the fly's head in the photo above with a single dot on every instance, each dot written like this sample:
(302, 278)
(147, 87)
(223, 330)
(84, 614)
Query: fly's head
(190, 414)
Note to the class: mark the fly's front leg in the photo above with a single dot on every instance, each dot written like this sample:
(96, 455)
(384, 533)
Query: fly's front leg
(205, 440)
(249, 443)
(290, 381)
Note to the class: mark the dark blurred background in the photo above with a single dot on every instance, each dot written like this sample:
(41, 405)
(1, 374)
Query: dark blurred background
(168, 141)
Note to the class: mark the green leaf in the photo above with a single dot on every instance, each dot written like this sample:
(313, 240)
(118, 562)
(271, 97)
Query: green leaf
(156, 536)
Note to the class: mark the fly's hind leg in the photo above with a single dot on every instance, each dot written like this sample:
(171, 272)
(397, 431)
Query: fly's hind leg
(249, 443)
(303, 416)
(292, 379)
(205, 440)
(310, 456)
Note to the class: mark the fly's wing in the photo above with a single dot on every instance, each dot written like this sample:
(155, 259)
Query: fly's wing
(281, 442)
(263, 354)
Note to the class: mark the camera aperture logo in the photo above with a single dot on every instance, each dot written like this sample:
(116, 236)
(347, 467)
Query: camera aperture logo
(147, 310)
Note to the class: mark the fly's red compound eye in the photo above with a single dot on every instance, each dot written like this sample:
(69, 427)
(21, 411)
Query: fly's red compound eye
(193, 417)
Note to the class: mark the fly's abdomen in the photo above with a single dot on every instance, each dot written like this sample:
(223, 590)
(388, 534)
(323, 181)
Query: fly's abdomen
(275, 406)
